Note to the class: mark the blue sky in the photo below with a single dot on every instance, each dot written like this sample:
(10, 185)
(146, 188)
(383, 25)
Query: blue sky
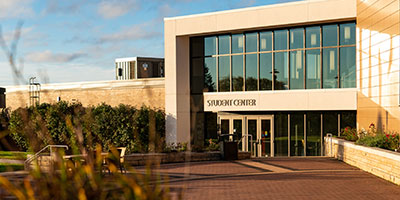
(78, 40)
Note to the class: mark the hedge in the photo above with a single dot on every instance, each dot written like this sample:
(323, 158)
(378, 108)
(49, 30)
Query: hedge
(32, 128)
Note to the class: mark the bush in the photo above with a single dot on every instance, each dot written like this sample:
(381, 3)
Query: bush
(349, 134)
(375, 138)
(33, 128)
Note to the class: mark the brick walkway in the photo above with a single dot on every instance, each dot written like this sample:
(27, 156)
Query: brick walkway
(277, 178)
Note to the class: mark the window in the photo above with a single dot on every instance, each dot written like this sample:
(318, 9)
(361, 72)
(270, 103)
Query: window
(296, 38)
(210, 46)
(266, 71)
(347, 67)
(330, 68)
(329, 35)
(237, 43)
(251, 72)
(281, 71)
(310, 57)
(237, 73)
(223, 44)
(266, 41)
(348, 34)
(224, 74)
(313, 37)
(280, 40)
(251, 42)
(296, 70)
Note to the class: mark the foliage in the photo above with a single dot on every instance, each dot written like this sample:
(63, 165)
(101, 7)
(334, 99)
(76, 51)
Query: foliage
(349, 134)
(375, 138)
(175, 147)
(103, 124)
(5, 167)
(212, 145)
(14, 155)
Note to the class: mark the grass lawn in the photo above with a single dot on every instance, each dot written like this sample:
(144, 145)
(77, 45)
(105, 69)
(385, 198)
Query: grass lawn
(5, 167)
(14, 155)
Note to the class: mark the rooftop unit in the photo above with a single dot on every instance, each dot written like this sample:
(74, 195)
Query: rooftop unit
(138, 67)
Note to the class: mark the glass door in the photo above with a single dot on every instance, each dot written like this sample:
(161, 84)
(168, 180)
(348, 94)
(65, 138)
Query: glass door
(260, 135)
(252, 135)
(265, 137)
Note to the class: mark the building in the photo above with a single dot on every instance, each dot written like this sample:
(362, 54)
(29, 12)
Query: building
(138, 67)
(283, 76)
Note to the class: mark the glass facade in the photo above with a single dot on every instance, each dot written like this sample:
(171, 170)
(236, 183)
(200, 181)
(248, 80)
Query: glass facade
(307, 57)
(311, 57)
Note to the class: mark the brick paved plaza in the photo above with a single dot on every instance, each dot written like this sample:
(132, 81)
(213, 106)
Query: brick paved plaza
(276, 178)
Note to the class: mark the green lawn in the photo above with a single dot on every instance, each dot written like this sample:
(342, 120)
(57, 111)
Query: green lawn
(14, 155)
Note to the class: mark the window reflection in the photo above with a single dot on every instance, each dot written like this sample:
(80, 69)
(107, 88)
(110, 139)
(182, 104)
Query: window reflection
(313, 37)
(237, 43)
(329, 35)
(280, 40)
(210, 74)
(348, 67)
(224, 74)
(266, 41)
(251, 42)
(315, 59)
(296, 38)
(266, 71)
(251, 72)
(296, 70)
(313, 125)
(281, 71)
(313, 63)
(210, 46)
(223, 44)
(347, 34)
(237, 73)
(297, 134)
(330, 68)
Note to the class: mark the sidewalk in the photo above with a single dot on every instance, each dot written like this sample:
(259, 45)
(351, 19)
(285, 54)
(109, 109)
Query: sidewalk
(276, 178)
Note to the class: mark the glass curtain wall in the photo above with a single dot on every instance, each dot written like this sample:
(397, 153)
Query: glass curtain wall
(311, 57)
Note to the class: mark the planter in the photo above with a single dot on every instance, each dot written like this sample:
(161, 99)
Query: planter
(380, 162)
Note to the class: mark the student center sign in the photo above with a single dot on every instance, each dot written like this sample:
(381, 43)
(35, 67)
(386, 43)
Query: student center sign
(283, 76)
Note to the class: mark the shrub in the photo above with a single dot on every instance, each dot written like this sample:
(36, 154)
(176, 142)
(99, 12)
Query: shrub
(349, 134)
(123, 125)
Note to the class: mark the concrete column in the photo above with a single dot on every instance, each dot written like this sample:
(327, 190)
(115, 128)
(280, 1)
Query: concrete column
(177, 85)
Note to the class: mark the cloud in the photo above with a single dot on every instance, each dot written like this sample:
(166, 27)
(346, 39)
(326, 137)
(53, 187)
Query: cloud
(48, 56)
(112, 8)
(15, 8)
(65, 7)
(135, 32)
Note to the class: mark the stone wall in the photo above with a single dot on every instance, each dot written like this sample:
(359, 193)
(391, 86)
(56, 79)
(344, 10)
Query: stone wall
(380, 162)
(149, 92)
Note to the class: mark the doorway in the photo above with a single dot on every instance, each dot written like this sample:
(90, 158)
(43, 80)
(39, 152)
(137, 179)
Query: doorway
(254, 133)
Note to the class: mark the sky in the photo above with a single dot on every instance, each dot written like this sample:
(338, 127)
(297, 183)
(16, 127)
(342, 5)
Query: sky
(78, 40)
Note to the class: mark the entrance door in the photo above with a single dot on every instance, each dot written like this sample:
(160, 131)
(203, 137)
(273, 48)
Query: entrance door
(233, 124)
(254, 133)
(260, 135)
(265, 137)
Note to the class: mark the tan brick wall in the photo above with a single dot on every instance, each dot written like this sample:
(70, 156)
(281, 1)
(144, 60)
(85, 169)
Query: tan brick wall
(378, 44)
(382, 163)
(148, 92)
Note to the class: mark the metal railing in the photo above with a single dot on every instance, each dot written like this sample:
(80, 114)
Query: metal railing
(29, 160)
(251, 142)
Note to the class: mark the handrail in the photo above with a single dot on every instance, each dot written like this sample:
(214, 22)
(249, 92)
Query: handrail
(251, 141)
(29, 160)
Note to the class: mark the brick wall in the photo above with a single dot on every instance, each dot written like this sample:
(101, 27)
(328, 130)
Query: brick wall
(378, 44)
(138, 92)
(380, 162)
